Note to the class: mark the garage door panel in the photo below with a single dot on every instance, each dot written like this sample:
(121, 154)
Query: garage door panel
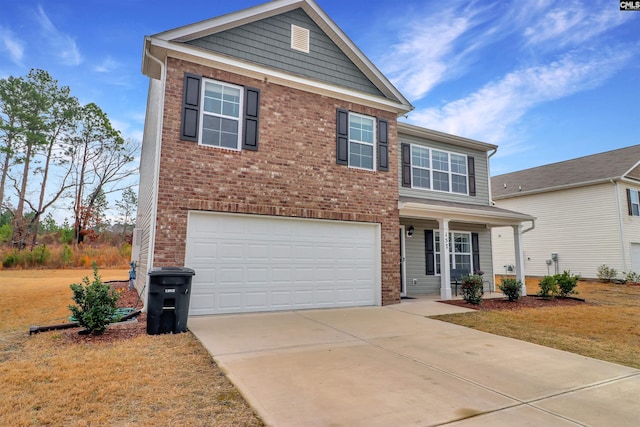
(259, 263)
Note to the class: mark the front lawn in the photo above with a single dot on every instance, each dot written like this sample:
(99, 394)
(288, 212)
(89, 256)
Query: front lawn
(49, 379)
(608, 328)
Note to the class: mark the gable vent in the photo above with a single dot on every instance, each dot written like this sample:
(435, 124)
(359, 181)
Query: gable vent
(299, 38)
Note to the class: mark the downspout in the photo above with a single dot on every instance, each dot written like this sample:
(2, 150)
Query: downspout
(620, 224)
(495, 150)
(156, 162)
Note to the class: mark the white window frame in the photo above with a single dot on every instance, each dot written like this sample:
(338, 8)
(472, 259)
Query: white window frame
(431, 170)
(452, 251)
(635, 205)
(353, 141)
(204, 113)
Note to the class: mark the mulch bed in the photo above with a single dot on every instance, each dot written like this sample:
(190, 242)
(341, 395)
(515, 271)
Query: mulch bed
(116, 331)
(528, 301)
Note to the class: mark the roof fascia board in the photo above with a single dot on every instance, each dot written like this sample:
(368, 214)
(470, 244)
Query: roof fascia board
(557, 188)
(420, 132)
(225, 22)
(187, 52)
(421, 210)
(631, 168)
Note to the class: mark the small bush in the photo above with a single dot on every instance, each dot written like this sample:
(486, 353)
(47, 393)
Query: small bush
(631, 277)
(548, 287)
(6, 231)
(472, 289)
(40, 255)
(96, 303)
(11, 259)
(511, 288)
(566, 283)
(606, 274)
(66, 256)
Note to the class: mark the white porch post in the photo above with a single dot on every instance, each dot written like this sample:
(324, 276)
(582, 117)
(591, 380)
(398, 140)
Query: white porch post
(445, 268)
(517, 239)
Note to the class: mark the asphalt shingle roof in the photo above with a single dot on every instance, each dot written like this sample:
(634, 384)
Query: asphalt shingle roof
(597, 167)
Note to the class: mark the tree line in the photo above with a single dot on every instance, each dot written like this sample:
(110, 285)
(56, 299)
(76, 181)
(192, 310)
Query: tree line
(54, 148)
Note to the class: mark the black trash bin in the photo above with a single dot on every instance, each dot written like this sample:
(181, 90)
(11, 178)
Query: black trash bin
(169, 294)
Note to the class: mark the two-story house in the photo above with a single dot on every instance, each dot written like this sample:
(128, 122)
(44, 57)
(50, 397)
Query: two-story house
(588, 212)
(271, 164)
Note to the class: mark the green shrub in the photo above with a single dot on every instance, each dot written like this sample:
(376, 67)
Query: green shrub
(6, 231)
(40, 255)
(472, 289)
(96, 303)
(632, 277)
(11, 259)
(606, 274)
(566, 283)
(548, 287)
(66, 256)
(511, 288)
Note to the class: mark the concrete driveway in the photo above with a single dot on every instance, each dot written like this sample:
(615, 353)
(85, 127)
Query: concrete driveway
(392, 366)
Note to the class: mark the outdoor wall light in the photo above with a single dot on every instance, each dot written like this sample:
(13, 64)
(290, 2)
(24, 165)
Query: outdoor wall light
(410, 231)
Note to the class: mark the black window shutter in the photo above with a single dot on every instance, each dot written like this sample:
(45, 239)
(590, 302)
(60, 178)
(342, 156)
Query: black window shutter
(383, 145)
(475, 250)
(629, 202)
(190, 107)
(430, 252)
(342, 137)
(251, 115)
(406, 165)
(471, 163)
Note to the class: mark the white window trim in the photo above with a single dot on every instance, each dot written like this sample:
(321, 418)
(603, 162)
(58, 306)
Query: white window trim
(431, 170)
(452, 251)
(373, 143)
(240, 117)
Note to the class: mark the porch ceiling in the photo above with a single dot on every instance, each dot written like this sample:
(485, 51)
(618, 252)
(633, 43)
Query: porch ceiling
(491, 216)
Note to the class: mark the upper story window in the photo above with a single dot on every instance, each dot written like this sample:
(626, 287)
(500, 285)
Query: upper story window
(633, 201)
(361, 141)
(221, 108)
(220, 114)
(438, 170)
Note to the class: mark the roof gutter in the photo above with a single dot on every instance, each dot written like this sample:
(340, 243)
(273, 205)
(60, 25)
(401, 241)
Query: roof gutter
(557, 188)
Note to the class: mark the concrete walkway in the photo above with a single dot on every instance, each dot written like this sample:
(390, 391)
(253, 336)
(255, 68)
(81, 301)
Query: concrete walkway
(392, 366)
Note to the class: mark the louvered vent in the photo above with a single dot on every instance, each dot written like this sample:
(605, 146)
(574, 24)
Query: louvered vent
(299, 38)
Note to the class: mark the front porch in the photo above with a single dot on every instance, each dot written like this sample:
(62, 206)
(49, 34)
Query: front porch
(430, 262)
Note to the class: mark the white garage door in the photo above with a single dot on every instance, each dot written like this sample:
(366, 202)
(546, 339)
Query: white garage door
(247, 263)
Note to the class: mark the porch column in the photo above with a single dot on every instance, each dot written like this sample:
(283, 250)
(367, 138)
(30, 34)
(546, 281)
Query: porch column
(445, 267)
(517, 239)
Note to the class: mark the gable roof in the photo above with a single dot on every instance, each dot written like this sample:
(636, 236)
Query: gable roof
(180, 41)
(583, 171)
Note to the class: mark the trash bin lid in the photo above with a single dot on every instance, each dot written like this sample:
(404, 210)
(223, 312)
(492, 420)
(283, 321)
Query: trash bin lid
(171, 271)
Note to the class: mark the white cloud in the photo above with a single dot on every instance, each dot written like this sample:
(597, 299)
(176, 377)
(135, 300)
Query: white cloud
(61, 44)
(13, 45)
(572, 24)
(107, 65)
(491, 113)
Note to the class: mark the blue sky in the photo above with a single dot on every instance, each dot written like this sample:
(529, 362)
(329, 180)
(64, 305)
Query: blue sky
(545, 80)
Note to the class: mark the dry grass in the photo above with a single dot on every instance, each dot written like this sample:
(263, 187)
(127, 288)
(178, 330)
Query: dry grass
(147, 380)
(607, 329)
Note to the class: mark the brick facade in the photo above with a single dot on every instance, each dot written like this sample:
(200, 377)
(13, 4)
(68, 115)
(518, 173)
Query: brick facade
(294, 172)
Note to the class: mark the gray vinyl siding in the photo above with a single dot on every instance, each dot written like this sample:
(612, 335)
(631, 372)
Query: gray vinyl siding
(268, 42)
(481, 173)
(147, 188)
(415, 255)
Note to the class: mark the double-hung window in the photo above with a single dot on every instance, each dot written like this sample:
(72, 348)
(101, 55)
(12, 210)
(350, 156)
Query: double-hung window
(634, 202)
(221, 117)
(438, 170)
(362, 141)
(220, 114)
(460, 252)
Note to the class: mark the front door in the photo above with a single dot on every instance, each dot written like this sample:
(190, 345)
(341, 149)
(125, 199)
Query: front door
(403, 264)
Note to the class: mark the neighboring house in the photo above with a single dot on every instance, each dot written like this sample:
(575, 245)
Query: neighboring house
(270, 165)
(587, 212)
